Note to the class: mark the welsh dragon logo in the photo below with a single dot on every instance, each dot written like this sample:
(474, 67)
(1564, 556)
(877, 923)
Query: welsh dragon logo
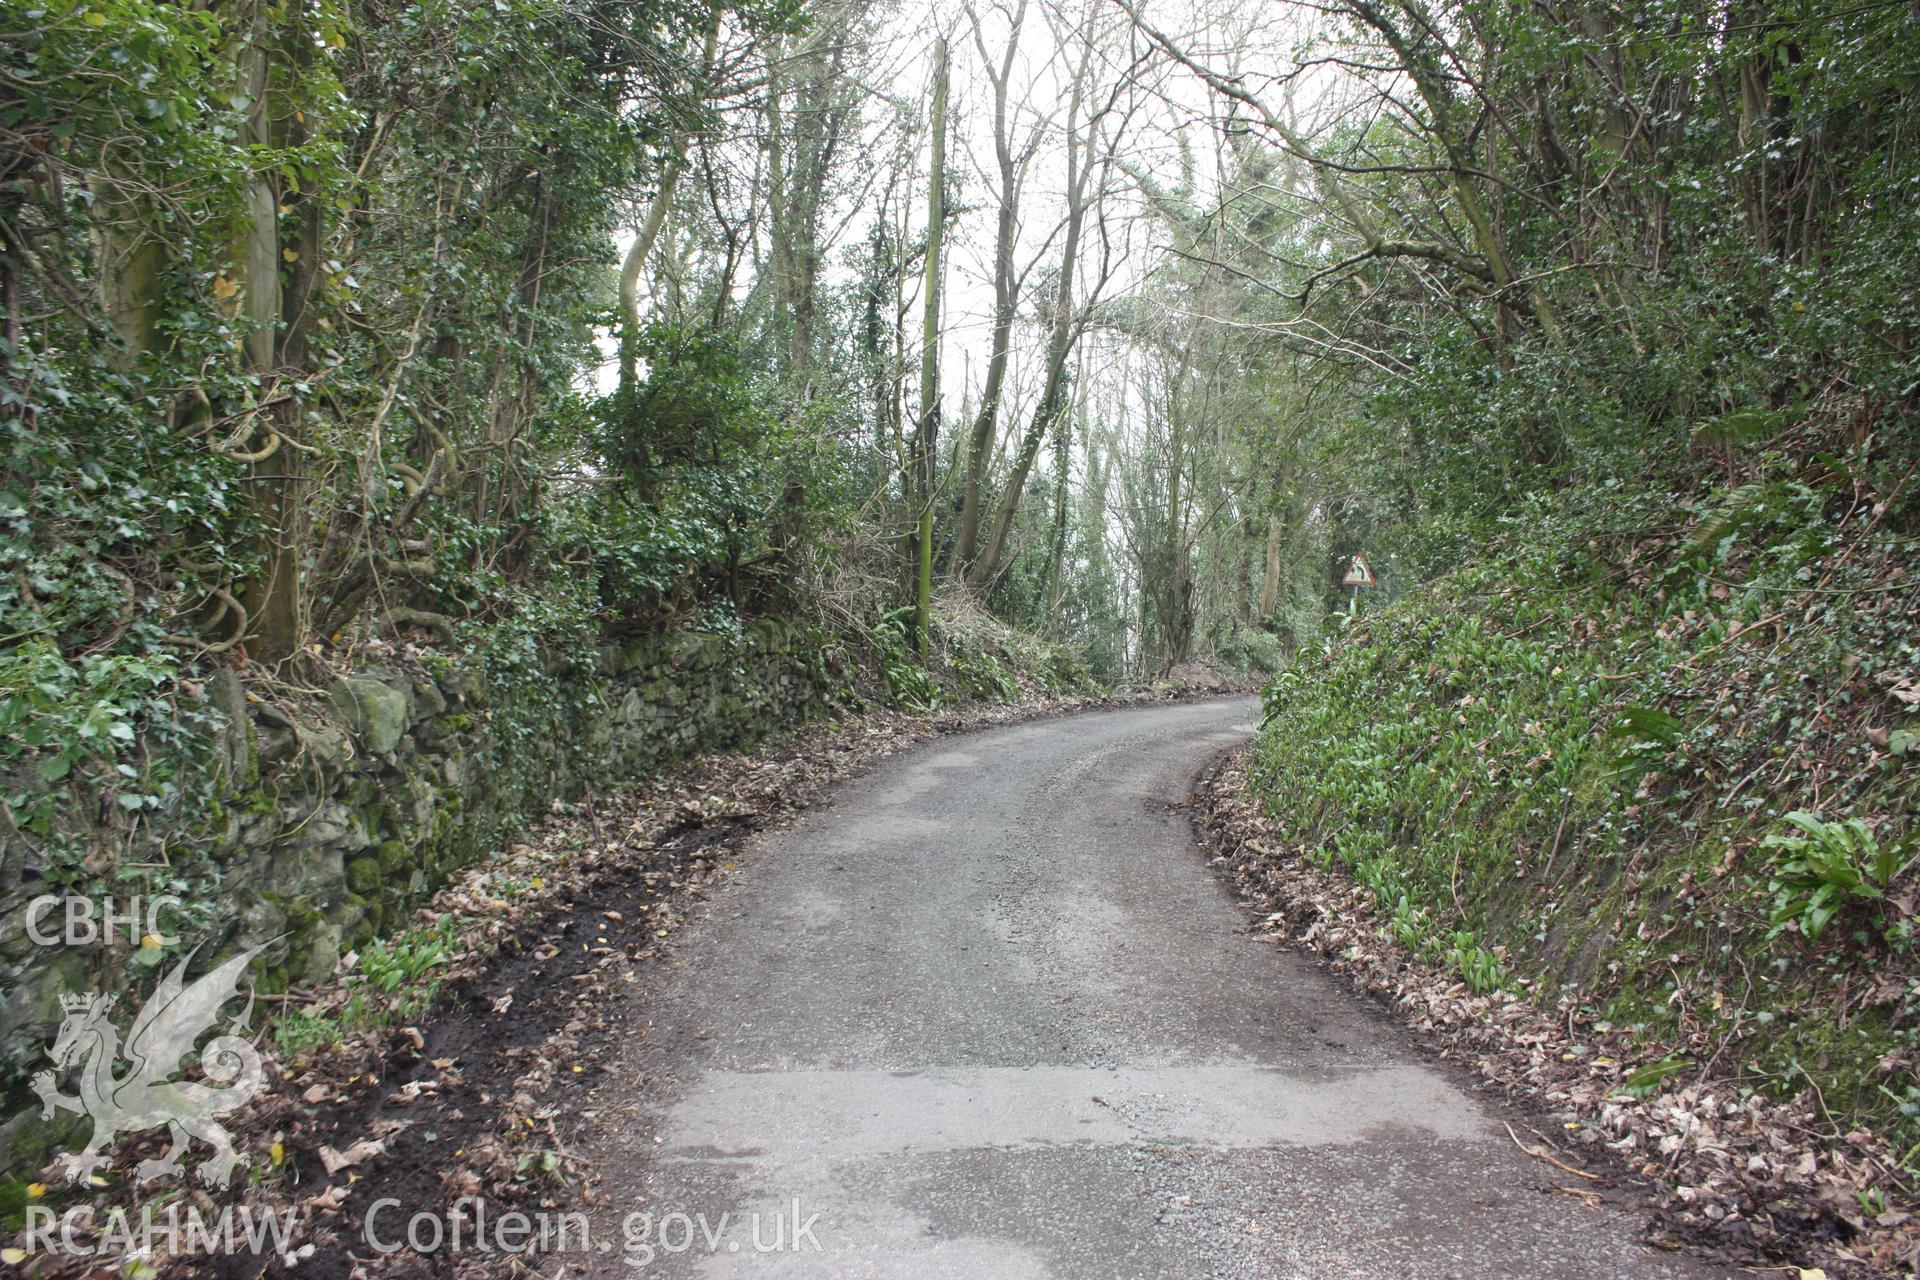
(144, 1097)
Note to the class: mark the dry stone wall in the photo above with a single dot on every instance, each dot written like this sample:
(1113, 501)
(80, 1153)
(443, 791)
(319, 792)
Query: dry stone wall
(329, 827)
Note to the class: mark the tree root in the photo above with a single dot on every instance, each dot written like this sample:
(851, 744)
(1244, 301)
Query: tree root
(438, 623)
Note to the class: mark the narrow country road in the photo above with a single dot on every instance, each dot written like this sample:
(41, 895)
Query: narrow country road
(990, 1015)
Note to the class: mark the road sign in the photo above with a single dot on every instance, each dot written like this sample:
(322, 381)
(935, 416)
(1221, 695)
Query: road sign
(1358, 575)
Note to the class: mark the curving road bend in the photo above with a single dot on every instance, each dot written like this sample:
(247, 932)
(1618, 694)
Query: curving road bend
(990, 1015)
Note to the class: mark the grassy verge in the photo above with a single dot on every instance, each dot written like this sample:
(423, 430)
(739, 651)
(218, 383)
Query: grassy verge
(1574, 769)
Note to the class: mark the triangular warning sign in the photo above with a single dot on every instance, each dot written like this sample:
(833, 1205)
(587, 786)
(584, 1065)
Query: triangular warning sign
(1358, 575)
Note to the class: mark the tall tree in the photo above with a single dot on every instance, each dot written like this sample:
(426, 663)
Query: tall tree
(1011, 160)
(671, 169)
(926, 438)
(1089, 158)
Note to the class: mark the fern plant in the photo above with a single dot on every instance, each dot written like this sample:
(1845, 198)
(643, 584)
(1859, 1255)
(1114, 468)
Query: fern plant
(1742, 428)
(1751, 512)
(907, 681)
(1818, 872)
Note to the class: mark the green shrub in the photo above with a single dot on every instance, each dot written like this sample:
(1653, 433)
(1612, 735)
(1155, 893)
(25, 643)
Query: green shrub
(1825, 869)
(908, 683)
(393, 982)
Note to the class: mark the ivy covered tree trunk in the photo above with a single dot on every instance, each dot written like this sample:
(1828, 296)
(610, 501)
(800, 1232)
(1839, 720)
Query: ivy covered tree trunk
(133, 264)
(274, 268)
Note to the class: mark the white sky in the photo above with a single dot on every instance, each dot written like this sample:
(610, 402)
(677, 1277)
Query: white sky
(1166, 107)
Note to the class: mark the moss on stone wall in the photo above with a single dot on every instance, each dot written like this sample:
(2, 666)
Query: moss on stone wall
(328, 826)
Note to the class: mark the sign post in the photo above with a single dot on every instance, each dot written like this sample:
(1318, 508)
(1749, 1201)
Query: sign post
(1358, 576)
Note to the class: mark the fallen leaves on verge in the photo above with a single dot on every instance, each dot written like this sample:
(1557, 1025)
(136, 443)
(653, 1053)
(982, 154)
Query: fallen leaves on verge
(359, 1153)
(1757, 1180)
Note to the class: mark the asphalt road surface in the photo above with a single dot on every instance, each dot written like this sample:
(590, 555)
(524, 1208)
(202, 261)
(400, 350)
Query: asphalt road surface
(990, 1014)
